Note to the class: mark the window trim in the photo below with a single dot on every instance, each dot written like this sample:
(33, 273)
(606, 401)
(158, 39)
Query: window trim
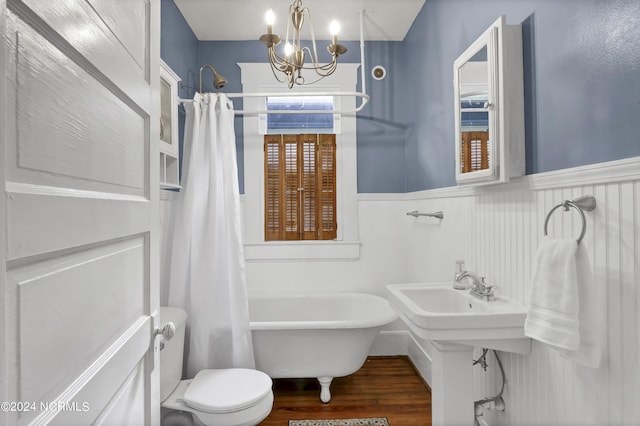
(257, 77)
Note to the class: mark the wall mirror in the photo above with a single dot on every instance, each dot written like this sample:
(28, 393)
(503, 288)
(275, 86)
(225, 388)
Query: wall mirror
(489, 107)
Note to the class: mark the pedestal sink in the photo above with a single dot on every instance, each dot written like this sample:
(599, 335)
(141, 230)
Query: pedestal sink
(454, 322)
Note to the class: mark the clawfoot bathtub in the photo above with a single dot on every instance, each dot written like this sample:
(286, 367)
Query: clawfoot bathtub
(315, 335)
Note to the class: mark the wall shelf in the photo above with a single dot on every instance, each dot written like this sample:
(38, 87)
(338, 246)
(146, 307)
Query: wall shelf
(168, 142)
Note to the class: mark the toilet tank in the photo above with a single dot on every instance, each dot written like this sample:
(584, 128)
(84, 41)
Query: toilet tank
(171, 351)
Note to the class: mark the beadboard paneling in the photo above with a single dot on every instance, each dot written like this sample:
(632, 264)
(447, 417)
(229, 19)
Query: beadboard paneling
(497, 231)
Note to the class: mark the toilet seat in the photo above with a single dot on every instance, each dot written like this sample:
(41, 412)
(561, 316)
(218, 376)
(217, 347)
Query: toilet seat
(227, 390)
(255, 408)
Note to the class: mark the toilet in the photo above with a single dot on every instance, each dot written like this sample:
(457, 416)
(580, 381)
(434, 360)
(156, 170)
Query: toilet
(216, 397)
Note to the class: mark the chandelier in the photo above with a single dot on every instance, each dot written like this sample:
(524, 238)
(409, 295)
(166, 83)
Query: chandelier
(293, 62)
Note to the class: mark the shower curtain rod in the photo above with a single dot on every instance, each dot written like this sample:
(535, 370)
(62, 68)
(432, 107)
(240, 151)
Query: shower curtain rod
(363, 95)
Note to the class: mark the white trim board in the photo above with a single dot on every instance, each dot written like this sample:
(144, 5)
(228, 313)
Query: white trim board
(607, 172)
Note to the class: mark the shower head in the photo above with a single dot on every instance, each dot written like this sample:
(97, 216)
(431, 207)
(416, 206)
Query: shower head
(218, 81)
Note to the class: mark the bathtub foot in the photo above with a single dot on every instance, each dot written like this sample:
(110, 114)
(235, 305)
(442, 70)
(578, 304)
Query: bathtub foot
(325, 394)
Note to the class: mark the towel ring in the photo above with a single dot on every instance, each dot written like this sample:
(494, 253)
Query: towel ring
(586, 202)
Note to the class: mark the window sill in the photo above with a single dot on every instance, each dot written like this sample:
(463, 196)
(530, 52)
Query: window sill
(302, 250)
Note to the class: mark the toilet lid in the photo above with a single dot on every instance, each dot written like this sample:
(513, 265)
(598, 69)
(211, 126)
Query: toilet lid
(227, 390)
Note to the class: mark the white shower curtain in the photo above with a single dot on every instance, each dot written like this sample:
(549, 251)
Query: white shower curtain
(207, 262)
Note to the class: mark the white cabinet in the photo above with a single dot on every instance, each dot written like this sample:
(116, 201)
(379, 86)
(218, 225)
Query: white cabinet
(489, 107)
(168, 143)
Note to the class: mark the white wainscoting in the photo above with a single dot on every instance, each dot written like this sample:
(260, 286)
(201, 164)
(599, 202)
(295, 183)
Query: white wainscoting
(496, 231)
(167, 206)
(381, 258)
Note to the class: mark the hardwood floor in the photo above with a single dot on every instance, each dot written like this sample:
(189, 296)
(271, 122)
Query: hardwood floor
(384, 387)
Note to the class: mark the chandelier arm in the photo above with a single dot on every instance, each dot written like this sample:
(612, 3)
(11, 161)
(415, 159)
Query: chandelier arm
(273, 68)
(327, 73)
(286, 40)
(314, 59)
(324, 74)
(274, 59)
(313, 38)
(328, 65)
(278, 60)
(327, 69)
(308, 83)
(316, 66)
(299, 31)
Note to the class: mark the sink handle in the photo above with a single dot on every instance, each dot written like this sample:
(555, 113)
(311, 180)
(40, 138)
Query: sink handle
(483, 290)
(479, 287)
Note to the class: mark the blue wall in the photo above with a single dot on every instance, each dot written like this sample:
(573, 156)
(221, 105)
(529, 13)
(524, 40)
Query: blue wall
(582, 82)
(582, 85)
(381, 127)
(381, 152)
(178, 45)
(179, 50)
(380, 134)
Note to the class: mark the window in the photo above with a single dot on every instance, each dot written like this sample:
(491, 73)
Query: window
(257, 77)
(295, 123)
(300, 187)
(475, 151)
(474, 123)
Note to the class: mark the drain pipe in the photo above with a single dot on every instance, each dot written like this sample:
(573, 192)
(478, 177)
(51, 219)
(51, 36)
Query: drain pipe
(495, 402)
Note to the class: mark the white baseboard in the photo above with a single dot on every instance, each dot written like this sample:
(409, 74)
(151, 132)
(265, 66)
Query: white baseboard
(390, 342)
(402, 342)
(421, 359)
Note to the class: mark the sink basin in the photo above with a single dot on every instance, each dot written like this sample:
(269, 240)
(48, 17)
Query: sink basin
(454, 322)
(439, 312)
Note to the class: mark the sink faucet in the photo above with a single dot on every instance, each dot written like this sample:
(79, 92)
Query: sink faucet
(457, 280)
(479, 288)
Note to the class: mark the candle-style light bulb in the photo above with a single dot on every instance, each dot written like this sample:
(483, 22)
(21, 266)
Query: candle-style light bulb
(270, 17)
(288, 50)
(334, 29)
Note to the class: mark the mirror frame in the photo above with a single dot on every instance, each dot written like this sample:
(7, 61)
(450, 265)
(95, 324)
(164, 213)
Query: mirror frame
(505, 104)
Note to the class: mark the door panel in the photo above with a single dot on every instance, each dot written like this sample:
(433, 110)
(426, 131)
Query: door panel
(123, 19)
(62, 130)
(79, 261)
(82, 31)
(71, 218)
(128, 406)
(86, 398)
(105, 282)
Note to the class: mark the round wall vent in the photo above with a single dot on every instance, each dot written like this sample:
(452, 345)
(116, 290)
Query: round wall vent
(379, 72)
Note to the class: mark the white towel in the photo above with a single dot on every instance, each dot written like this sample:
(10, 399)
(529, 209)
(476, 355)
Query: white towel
(553, 312)
(591, 315)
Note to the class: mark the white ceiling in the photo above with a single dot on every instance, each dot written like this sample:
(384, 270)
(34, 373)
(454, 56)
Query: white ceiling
(386, 20)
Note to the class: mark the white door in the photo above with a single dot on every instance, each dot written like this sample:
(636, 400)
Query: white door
(78, 215)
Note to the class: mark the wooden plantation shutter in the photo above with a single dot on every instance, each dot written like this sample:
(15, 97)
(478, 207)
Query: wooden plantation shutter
(274, 187)
(326, 183)
(300, 194)
(475, 151)
(290, 204)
